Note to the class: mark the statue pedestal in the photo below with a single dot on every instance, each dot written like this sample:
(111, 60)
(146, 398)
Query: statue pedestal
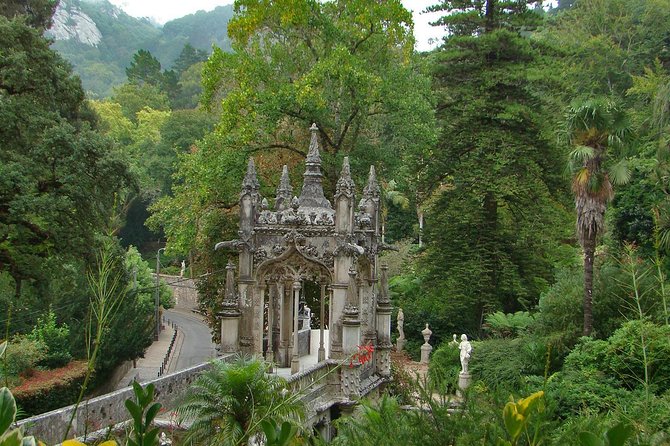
(464, 380)
(400, 344)
(425, 352)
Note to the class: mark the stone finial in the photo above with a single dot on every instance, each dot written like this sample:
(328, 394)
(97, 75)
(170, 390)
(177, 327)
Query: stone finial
(295, 203)
(345, 185)
(264, 204)
(313, 156)
(250, 182)
(426, 333)
(426, 348)
(371, 190)
(312, 190)
(284, 191)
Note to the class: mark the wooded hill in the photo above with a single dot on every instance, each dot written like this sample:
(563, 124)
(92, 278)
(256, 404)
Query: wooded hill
(99, 39)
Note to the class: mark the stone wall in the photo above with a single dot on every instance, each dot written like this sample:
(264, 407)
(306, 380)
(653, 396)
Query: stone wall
(184, 291)
(107, 410)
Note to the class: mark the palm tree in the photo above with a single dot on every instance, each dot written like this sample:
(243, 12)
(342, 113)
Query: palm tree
(227, 404)
(596, 129)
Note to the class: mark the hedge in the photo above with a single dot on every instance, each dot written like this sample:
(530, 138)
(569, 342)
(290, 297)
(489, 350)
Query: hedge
(47, 390)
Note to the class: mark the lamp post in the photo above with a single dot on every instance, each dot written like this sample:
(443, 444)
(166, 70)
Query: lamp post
(158, 292)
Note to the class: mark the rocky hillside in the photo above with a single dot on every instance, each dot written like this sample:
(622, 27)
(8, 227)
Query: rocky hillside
(99, 39)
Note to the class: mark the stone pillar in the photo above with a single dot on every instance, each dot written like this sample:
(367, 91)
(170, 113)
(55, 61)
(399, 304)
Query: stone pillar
(250, 200)
(322, 351)
(269, 354)
(230, 315)
(426, 348)
(383, 354)
(351, 325)
(295, 359)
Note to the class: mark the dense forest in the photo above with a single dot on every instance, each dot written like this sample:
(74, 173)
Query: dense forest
(524, 166)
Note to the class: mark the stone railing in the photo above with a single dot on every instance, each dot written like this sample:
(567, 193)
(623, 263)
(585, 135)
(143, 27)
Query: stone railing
(318, 386)
(108, 410)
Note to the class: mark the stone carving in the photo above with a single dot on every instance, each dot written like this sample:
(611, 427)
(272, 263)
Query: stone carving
(183, 268)
(299, 239)
(345, 185)
(400, 344)
(284, 191)
(260, 256)
(363, 219)
(426, 348)
(466, 349)
(310, 251)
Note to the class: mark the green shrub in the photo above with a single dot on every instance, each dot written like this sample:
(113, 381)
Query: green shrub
(445, 364)
(625, 359)
(560, 313)
(584, 392)
(50, 389)
(22, 355)
(586, 384)
(505, 364)
(55, 339)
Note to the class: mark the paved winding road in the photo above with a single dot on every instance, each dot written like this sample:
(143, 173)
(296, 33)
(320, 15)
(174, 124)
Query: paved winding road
(195, 345)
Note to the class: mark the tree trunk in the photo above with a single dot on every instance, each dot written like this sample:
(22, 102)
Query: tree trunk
(589, 251)
(489, 16)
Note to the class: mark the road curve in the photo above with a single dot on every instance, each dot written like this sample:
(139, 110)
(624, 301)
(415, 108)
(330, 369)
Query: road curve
(195, 346)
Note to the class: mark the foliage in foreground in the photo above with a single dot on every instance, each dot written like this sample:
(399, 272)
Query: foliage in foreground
(228, 403)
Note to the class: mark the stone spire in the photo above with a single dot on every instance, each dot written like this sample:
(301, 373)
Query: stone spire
(284, 191)
(371, 190)
(345, 185)
(312, 190)
(250, 183)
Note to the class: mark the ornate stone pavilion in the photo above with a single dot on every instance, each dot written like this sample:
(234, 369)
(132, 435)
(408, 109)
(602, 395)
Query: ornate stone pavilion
(301, 242)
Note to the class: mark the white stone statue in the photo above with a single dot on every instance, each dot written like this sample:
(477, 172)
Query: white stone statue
(400, 343)
(466, 348)
(401, 323)
(183, 268)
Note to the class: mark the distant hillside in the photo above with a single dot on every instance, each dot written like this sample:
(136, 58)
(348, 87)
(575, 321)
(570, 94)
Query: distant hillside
(100, 39)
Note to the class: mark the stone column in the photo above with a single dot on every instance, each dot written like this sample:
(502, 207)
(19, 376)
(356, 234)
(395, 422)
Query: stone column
(269, 354)
(351, 325)
(322, 314)
(285, 339)
(384, 309)
(295, 359)
(230, 315)
(426, 348)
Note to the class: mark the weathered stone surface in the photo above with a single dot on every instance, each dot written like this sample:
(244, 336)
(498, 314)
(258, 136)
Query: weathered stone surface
(108, 410)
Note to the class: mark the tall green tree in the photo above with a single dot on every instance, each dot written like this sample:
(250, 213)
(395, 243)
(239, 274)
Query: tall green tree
(36, 13)
(144, 69)
(188, 57)
(59, 177)
(339, 64)
(597, 128)
(495, 176)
